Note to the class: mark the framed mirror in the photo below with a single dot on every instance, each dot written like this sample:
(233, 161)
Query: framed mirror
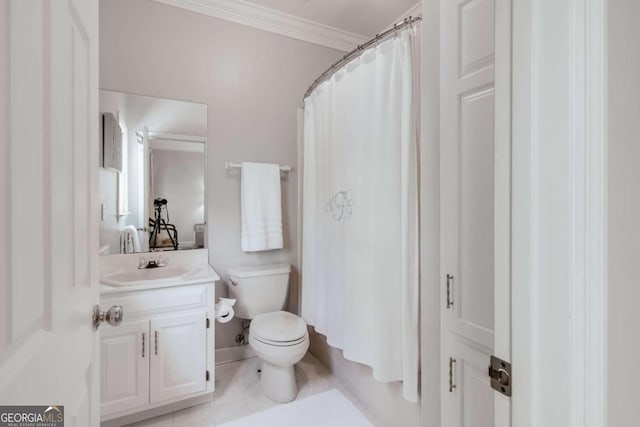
(152, 174)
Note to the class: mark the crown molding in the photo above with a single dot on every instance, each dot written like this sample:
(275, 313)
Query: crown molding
(415, 10)
(263, 18)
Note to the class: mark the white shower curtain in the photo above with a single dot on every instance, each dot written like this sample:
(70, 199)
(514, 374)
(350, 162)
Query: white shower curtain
(360, 211)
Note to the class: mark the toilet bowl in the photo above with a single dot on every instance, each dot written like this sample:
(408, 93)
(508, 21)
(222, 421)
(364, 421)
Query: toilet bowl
(280, 340)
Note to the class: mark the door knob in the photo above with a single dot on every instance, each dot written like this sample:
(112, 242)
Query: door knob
(113, 316)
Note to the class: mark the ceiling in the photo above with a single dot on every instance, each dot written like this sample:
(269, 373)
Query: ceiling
(364, 17)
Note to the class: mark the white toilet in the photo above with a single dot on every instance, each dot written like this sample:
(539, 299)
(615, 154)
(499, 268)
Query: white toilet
(280, 339)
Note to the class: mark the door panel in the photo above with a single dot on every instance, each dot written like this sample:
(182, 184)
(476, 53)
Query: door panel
(49, 247)
(470, 403)
(124, 379)
(26, 87)
(474, 285)
(178, 361)
(475, 33)
(468, 149)
(475, 215)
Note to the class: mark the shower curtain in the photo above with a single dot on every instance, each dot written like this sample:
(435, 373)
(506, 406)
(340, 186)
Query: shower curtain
(360, 211)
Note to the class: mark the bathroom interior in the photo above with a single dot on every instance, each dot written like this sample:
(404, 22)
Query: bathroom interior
(319, 212)
(202, 167)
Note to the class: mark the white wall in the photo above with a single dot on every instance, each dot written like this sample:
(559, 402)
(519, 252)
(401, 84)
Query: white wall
(252, 81)
(624, 212)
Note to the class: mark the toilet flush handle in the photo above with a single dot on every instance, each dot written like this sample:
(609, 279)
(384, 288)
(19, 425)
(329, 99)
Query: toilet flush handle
(233, 282)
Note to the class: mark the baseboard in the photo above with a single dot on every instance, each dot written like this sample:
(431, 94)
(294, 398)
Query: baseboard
(232, 354)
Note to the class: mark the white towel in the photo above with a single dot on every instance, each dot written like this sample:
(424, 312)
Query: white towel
(261, 207)
(131, 240)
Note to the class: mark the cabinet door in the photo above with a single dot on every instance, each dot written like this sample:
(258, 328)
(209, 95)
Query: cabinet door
(178, 362)
(124, 366)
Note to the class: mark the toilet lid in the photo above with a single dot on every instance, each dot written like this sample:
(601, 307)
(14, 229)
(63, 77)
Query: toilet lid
(278, 327)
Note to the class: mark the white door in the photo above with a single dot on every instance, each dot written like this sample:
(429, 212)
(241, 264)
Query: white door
(124, 362)
(48, 215)
(475, 212)
(178, 360)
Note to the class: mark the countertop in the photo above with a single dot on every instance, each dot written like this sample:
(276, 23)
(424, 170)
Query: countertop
(207, 275)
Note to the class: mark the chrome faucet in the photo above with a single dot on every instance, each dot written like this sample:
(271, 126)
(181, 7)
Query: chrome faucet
(151, 263)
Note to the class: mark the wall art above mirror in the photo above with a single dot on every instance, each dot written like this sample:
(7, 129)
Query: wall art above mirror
(152, 174)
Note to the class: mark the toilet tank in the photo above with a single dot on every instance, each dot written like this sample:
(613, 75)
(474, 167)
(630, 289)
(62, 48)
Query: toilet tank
(258, 290)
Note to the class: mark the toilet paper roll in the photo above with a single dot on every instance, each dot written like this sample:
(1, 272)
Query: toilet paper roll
(225, 314)
(224, 311)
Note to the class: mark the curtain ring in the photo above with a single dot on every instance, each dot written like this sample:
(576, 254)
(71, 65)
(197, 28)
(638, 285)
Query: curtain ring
(377, 41)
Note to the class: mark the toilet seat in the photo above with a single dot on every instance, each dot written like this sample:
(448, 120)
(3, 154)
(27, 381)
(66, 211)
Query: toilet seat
(280, 328)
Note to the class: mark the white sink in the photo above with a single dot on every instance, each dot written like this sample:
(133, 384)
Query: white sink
(146, 275)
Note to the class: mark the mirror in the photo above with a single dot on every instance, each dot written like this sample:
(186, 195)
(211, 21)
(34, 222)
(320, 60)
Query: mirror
(152, 174)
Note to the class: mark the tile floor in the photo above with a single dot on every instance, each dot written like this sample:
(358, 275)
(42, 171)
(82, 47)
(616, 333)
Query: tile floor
(238, 394)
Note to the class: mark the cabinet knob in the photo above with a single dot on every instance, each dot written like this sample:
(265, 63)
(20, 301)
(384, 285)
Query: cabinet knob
(113, 316)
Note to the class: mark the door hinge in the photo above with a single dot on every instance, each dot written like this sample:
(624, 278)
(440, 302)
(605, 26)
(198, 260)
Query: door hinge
(449, 291)
(500, 374)
(208, 323)
(451, 384)
(207, 375)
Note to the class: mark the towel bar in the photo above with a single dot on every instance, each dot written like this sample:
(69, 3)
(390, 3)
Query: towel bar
(231, 165)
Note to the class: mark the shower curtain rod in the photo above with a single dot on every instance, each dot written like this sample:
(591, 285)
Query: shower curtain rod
(358, 51)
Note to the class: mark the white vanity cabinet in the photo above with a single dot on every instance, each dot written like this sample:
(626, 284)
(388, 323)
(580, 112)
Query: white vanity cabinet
(178, 361)
(162, 353)
(124, 355)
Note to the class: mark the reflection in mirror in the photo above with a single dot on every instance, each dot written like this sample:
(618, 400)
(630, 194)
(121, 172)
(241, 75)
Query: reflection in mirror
(152, 174)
